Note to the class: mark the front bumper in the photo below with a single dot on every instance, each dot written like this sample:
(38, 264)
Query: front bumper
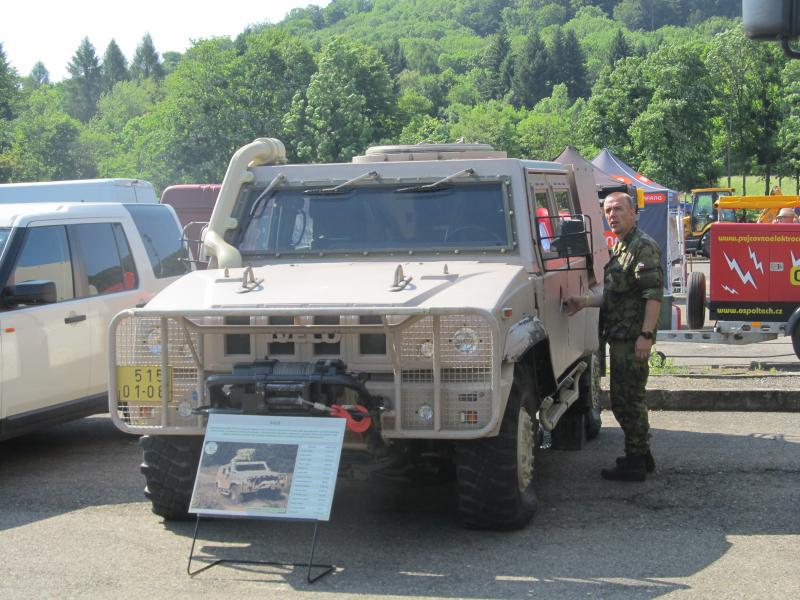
(427, 387)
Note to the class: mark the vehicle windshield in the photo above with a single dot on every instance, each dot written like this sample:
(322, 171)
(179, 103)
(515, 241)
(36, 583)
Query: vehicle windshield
(4, 233)
(251, 467)
(378, 219)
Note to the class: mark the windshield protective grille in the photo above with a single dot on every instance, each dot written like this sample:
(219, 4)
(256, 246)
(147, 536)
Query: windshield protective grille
(379, 219)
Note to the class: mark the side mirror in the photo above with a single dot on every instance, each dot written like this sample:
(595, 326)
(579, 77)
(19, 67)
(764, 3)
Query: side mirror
(35, 291)
(572, 240)
(772, 20)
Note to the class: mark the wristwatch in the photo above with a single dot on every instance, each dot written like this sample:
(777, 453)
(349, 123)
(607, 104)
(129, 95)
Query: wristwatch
(648, 335)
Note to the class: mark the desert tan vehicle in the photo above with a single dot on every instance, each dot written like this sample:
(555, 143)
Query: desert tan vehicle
(241, 478)
(417, 291)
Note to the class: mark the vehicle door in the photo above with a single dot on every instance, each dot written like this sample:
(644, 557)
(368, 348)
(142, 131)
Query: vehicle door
(112, 283)
(45, 359)
(555, 281)
(552, 203)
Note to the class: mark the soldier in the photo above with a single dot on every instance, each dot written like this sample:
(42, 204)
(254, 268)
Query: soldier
(630, 305)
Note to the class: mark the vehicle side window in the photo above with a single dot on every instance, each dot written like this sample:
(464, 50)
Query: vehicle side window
(100, 253)
(563, 201)
(161, 237)
(545, 225)
(45, 255)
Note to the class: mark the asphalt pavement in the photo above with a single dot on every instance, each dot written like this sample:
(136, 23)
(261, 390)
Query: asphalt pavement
(718, 519)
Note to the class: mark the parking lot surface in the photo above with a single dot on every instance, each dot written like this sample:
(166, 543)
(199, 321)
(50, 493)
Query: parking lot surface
(719, 519)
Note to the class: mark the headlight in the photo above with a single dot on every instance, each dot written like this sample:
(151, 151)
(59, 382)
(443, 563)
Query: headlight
(153, 341)
(466, 340)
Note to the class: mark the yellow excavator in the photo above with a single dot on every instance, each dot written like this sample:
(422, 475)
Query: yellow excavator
(705, 212)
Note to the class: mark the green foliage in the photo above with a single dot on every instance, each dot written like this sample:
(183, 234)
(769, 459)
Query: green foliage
(349, 102)
(85, 85)
(9, 88)
(532, 72)
(146, 61)
(494, 75)
(114, 67)
(45, 142)
(39, 75)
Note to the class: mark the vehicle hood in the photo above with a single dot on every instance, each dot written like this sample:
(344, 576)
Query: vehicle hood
(434, 284)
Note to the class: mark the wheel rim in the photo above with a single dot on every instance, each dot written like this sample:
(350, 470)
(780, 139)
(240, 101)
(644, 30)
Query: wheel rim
(525, 445)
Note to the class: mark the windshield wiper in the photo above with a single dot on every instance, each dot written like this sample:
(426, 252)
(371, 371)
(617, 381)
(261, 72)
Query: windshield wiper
(342, 187)
(279, 178)
(436, 185)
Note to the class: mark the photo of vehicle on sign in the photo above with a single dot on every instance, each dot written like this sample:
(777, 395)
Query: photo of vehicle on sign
(256, 478)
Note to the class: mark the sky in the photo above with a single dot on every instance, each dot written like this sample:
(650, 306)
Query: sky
(51, 30)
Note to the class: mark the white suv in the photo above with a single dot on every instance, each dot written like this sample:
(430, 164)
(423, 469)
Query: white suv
(65, 270)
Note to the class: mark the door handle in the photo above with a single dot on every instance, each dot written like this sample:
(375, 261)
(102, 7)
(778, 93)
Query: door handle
(74, 319)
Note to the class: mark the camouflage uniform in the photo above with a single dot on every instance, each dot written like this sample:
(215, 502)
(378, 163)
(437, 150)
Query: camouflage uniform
(632, 276)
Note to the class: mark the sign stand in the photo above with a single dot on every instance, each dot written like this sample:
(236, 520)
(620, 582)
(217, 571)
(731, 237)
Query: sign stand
(326, 569)
(267, 467)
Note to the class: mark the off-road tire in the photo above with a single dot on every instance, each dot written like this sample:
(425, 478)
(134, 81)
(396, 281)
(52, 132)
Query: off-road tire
(489, 471)
(170, 467)
(235, 494)
(696, 300)
(589, 400)
(796, 340)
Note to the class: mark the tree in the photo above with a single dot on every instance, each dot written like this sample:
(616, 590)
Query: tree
(349, 103)
(39, 75)
(9, 87)
(547, 129)
(618, 97)
(146, 62)
(531, 78)
(85, 84)
(789, 133)
(494, 79)
(493, 122)
(219, 98)
(568, 64)
(619, 49)
(114, 67)
(45, 141)
(739, 68)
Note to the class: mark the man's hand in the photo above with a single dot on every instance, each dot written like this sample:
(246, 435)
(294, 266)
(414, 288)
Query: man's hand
(642, 348)
(575, 304)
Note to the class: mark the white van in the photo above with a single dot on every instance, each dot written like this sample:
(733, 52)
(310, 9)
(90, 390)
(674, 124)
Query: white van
(65, 270)
(133, 191)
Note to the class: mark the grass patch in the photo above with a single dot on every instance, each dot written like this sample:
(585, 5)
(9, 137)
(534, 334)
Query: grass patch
(755, 184)
(661, 365)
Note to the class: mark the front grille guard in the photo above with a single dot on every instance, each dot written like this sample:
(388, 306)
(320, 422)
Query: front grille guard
(185, 326)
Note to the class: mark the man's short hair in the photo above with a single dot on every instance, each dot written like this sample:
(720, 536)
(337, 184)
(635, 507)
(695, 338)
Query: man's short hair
(622, 195)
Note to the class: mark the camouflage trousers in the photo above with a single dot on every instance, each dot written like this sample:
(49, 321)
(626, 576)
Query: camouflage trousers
(628, 381)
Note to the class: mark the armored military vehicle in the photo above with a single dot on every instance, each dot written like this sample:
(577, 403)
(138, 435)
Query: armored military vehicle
(417, 292)
(243, 477)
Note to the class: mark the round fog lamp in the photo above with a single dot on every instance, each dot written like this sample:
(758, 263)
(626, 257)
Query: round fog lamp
(425, 412)
(426, 349)
(185, 409)
(153, 341)
(466, 340)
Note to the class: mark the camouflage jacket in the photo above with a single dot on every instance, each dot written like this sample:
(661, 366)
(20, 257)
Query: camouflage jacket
(632, 277)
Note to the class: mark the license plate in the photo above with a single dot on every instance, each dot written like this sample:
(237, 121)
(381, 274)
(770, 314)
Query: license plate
(140, 384)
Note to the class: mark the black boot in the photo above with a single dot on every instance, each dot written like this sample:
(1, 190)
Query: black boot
(631, 469)
(649, 462)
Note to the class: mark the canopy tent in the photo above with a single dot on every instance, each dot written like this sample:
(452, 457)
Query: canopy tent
(654, 218)
(605, 183)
